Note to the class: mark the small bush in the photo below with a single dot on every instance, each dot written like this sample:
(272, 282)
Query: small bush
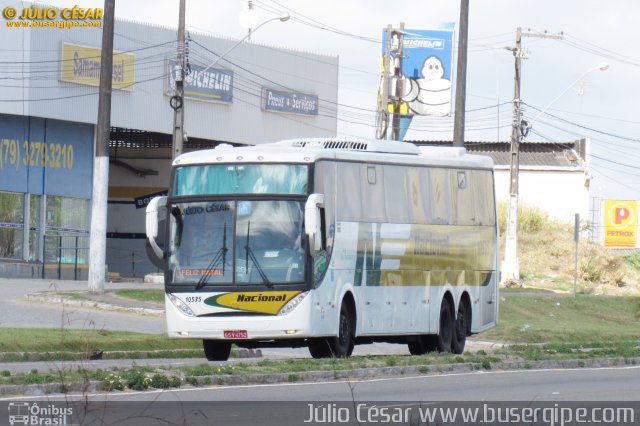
(160, 381)
(174, 382)
(137, 380)
(392, 361)
(293, 378)
(633, 260)
(5, 373)
(112, 382)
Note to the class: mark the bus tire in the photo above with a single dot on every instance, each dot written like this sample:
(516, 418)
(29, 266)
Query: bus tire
(320, 348)
(446, 330)
(342, 344)
(216, 350)
(460, 328)
(419, 346)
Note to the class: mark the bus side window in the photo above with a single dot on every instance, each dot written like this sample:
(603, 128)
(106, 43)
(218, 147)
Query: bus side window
(323, 229)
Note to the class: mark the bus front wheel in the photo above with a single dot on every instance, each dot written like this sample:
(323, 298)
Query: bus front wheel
(340, 346)
(216, 350)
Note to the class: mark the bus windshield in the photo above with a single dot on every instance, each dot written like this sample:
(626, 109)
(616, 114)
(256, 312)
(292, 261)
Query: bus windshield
(237, 242)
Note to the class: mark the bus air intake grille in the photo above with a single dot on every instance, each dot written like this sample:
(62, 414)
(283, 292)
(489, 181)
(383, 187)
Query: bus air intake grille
(347, 145)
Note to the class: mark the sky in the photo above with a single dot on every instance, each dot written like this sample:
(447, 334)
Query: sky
(559, 77)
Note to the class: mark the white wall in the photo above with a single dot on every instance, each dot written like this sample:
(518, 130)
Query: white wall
(561, 194)
(126, 253)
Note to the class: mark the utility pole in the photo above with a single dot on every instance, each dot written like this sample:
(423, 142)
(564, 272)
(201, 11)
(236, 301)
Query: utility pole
(397, 98)
(519, 129)
(391, 93)
(98, 235)
(511, 268)
(177, 100)
(461, 78)
(382, 116)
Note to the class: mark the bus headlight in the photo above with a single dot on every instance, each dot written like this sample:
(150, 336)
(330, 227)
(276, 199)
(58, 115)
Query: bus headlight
(182, 307)
(291, 305)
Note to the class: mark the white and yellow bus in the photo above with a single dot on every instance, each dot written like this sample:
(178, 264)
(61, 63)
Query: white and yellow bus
(327, 244)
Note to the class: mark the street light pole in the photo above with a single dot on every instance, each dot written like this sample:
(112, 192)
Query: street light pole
(177, 100)
(283, 18)
(603, 66)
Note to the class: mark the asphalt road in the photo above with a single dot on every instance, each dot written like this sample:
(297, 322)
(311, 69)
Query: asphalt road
(611, 384)
(289, 404)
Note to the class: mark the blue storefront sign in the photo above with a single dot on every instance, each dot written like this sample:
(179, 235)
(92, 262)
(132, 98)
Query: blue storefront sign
(43, 156)
(289, 102)
(213, 84)
(143, 201)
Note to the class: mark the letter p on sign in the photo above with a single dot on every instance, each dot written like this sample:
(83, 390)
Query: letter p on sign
(621, 214)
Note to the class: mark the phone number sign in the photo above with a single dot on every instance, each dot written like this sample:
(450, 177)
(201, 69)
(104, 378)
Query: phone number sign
(42, 156)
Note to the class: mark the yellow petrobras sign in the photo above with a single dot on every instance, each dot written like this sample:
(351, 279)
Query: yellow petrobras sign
(81, 65)
(265, 302)
(620, 223)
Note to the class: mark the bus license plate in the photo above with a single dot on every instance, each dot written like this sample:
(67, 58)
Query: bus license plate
(235, 334)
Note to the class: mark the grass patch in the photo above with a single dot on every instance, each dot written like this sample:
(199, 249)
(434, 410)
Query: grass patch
(557, 319)
(51, 340)
(633, 260)
(145, 295)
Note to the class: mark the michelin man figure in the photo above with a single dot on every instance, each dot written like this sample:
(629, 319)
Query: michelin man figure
(431, 94)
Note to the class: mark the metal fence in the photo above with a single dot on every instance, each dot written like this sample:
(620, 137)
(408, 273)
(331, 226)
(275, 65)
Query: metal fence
(66, 256)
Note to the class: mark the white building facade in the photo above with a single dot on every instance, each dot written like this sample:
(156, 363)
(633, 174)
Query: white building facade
(48, 110)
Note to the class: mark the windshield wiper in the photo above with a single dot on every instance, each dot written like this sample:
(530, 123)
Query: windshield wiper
(221, 254)
(250, 255)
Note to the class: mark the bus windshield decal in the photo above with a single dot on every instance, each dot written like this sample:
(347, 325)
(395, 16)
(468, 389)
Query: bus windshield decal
(219, 179)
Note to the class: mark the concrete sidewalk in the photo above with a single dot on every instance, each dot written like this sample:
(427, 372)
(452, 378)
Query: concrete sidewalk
(32, 303)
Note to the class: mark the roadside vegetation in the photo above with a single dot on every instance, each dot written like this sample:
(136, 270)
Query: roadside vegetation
(546, 251)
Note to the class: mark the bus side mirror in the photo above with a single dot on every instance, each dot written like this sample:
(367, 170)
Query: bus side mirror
(313, 222)
(153, 210)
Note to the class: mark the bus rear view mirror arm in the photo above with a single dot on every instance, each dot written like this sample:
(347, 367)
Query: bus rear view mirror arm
(152, 223)
(313, 221)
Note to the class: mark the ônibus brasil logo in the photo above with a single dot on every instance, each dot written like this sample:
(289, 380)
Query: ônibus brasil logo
(26, 413)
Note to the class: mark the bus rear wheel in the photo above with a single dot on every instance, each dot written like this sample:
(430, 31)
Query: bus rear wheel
(216, 350)
(442, 341)
(462, 323)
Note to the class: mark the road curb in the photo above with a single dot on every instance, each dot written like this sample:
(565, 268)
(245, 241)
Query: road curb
(109, 355)
(40, 297)
(338, 375)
